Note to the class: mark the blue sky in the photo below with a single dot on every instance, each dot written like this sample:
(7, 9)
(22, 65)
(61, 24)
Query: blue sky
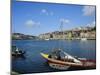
(35, 18)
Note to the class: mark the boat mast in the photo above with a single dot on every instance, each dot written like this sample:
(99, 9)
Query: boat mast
(62, 31)
(61, 28)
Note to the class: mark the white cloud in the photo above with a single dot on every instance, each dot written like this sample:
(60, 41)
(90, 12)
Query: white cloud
(46, 12)
(92, 24)
(64, 20)
(88, 10)
(51, 13)
(31, 23)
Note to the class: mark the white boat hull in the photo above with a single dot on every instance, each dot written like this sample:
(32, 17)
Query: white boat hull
(83, 39)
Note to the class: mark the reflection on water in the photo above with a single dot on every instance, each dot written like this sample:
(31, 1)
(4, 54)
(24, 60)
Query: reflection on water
(33, 62)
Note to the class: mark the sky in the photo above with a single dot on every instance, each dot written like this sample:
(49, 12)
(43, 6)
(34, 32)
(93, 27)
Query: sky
(35, 18)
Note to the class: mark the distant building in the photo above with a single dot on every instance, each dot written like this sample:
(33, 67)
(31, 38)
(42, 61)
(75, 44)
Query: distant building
(81, 32)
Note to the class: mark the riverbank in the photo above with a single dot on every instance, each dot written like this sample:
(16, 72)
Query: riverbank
(72, 39)
(60, 39)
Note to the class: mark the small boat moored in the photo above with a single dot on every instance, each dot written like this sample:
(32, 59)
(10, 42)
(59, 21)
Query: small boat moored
(16, 52)
(83, 39)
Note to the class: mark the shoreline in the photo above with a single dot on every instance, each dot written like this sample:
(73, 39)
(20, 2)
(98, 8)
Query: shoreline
(58, 39)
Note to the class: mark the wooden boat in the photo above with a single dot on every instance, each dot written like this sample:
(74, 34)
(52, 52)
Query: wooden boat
(16, 52)
(64, 64)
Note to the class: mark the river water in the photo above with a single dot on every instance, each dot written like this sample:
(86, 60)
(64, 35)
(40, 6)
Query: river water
(33, 62)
